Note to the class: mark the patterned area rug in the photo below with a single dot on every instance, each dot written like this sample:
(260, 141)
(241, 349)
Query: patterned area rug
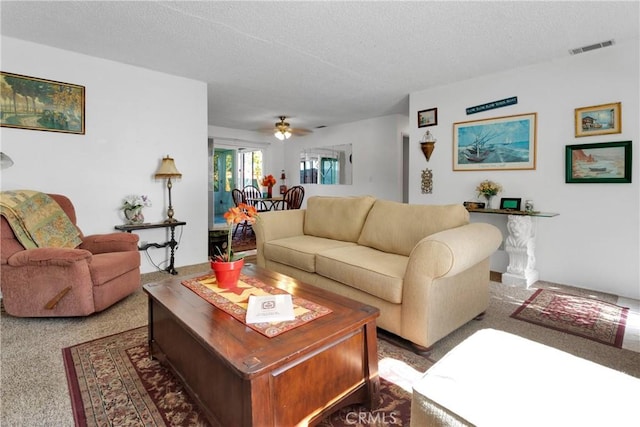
(584, 317)
(112, 381)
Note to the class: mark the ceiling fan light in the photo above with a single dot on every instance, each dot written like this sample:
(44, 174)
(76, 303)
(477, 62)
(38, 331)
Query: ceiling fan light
(287, 134)
(281, 136)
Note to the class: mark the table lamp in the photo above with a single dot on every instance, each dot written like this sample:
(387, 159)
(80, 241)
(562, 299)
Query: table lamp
(168, 170)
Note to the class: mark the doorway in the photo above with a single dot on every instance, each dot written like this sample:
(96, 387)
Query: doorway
(231, 168)
(223, 181)
(405, 168)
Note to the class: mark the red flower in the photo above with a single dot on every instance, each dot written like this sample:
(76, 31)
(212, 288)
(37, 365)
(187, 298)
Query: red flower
(235, 215)
(268, 181)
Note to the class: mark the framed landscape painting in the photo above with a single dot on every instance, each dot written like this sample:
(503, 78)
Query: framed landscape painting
(605, 162)
(598, 120)
(500, 143)
(39, 104)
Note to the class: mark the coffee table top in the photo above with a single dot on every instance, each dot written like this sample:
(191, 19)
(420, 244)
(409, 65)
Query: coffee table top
(248, 351)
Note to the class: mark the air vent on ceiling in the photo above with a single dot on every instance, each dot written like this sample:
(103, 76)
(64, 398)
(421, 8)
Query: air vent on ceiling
(591, 47)
(321, 126)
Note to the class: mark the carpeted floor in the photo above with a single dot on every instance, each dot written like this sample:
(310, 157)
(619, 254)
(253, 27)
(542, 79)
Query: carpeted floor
(113, 382)
(34, 388)
(244, 241)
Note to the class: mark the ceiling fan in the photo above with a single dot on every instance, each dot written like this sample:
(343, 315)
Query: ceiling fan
(283, 130)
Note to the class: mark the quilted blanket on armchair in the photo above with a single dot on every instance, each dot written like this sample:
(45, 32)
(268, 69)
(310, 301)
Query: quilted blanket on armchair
(37, 220)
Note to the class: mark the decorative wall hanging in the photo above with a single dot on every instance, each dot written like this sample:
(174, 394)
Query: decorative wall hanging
(428, 117)
(500, 143)
(39, 104)
(427, 144)
(427, 181)
(492, 105)
(605, 162)
(599, 119)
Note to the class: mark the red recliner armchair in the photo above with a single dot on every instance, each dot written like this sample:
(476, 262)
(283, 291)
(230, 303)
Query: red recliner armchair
(57, 282)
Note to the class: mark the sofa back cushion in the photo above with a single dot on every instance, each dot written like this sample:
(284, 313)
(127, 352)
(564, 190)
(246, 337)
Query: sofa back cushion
(397, 227)
(338, 218)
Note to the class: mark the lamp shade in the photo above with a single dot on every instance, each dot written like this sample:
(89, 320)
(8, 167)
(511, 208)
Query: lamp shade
(167, 169)
(282, 135)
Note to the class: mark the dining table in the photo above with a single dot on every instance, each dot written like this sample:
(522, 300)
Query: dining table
(265, 203)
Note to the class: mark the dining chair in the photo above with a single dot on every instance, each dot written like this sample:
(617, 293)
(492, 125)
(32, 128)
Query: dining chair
(292, 198)
(238, 197)
(253, 196)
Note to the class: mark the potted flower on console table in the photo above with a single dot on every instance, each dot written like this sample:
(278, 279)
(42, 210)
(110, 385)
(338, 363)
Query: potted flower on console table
(225, 264)
(488, 189)
(132, 207)
(268, 181)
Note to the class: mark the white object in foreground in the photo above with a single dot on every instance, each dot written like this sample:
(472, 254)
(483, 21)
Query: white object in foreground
(270, 308)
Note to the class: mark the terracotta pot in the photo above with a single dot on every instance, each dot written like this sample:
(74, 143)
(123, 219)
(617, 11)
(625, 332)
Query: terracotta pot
(227, 273)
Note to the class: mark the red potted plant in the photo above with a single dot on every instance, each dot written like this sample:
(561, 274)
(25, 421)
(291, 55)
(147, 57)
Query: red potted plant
(225, 264)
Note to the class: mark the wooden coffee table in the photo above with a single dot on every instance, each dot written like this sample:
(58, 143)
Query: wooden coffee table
(240, 377)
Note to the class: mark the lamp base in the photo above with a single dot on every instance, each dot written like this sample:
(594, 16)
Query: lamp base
(170, 220)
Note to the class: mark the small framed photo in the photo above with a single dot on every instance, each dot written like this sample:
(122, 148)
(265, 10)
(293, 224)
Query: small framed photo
(598, 120)
(510, 204)
(427, 117)
(605, 162)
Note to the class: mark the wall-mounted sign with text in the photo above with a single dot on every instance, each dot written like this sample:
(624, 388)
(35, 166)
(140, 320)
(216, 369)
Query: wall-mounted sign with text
(492, 105)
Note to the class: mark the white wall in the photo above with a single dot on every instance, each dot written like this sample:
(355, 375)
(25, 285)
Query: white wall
(377, 154)
(594, 242)
(377, 157)
(134, 117)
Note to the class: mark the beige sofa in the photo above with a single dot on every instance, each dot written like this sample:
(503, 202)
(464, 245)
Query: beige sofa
(425, 267)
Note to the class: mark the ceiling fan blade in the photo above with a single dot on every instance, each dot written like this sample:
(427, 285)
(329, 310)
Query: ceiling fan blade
(300, 132)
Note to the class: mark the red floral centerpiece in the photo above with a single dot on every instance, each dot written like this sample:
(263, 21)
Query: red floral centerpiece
(268, 181)
(226, 265)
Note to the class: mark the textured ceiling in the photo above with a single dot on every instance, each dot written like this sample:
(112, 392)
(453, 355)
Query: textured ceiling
(323, 62)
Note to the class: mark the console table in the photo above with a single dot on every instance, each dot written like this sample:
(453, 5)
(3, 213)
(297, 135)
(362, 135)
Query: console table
(520, 245)
(172, 243)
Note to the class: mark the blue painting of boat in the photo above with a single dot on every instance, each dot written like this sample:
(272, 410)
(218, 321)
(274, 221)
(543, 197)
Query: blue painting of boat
(503, 142)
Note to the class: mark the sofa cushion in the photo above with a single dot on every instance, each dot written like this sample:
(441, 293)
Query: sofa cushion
(369, 270)
(397, 227)
(339, 218)
(300, 251)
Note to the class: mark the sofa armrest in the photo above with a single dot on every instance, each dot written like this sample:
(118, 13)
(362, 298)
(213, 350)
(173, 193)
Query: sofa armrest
(110, 242)
(449, 252)
(40, 257)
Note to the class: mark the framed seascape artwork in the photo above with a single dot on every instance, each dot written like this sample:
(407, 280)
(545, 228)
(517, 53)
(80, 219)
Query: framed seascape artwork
(605, 162)
(598, 120)
(500, 143)
(39, 104)
(428, 117)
